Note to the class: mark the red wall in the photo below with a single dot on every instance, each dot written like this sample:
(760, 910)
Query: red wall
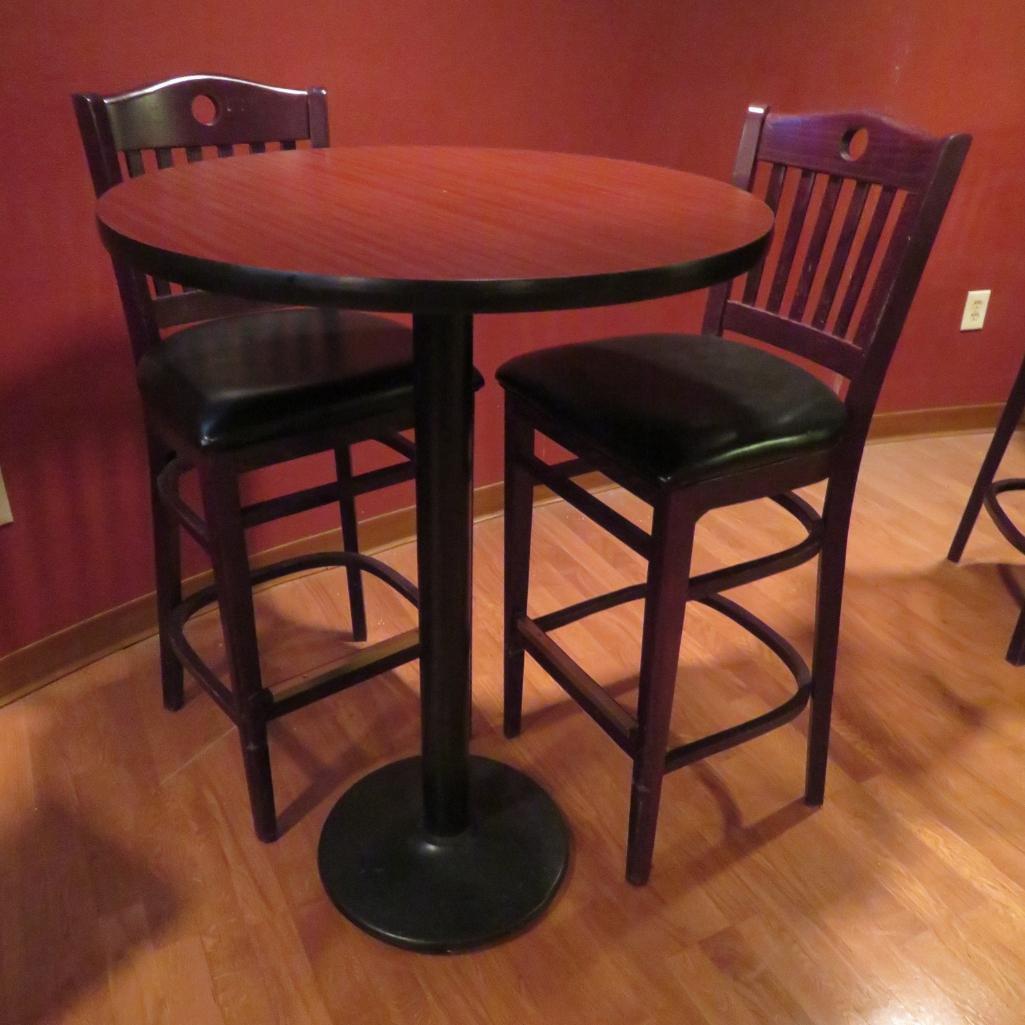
(657, 80)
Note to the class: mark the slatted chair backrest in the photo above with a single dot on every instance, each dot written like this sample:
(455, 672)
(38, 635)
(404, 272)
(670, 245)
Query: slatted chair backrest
(178, 120)
(858, 200)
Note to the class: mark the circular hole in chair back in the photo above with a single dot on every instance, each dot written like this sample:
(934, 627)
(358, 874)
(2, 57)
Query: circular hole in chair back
(854, 144)
(205, 109)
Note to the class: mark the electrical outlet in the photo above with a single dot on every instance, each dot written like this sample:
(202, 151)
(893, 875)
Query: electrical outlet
(5, 505)
(975, 307)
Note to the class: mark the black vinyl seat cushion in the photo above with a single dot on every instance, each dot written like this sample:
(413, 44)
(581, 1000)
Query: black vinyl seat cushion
(679, 408)
(238, 381)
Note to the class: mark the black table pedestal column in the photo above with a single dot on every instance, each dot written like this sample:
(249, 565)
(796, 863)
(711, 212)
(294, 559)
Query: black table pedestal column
(444, 852)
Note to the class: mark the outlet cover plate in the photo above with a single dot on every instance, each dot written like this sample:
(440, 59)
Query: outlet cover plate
(975, 307)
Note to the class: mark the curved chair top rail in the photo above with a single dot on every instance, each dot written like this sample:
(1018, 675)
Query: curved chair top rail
(889, 153)
(193, 111)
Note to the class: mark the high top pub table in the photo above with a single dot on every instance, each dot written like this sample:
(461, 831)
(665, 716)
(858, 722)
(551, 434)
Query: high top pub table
(445, 851)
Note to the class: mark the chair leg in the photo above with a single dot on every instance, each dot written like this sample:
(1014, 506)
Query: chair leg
(1016, 649)
(235, 598)
(519, 515)
(1009, 420)
(350, 543)
(665, 604)
(829, 600)
(167, 557)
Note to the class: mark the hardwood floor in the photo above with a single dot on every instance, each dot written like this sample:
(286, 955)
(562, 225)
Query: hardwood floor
(133, 891)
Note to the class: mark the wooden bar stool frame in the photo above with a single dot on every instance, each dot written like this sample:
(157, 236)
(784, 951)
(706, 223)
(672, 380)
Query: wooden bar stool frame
(897, 160)
(247, 117)
(987, 491)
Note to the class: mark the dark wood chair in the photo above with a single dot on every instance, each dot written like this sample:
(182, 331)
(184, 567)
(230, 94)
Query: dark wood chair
(242, 386)
(986, 491)
(689, 423)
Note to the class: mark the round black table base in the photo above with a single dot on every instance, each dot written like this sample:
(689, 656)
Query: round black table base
(386, 874)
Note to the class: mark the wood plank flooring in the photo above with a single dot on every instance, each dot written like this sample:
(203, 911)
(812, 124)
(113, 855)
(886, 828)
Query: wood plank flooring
(133, 891)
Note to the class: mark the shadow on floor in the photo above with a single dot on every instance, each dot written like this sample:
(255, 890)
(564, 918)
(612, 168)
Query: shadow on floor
(74, 909)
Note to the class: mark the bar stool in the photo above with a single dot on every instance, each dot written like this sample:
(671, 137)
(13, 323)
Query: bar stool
(986, 491)
(689, 423)
(242, 385)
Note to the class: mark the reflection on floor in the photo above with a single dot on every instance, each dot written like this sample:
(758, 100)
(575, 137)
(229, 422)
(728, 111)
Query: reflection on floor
(132, 890)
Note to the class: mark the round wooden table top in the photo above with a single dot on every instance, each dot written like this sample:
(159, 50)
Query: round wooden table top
(434, 229)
